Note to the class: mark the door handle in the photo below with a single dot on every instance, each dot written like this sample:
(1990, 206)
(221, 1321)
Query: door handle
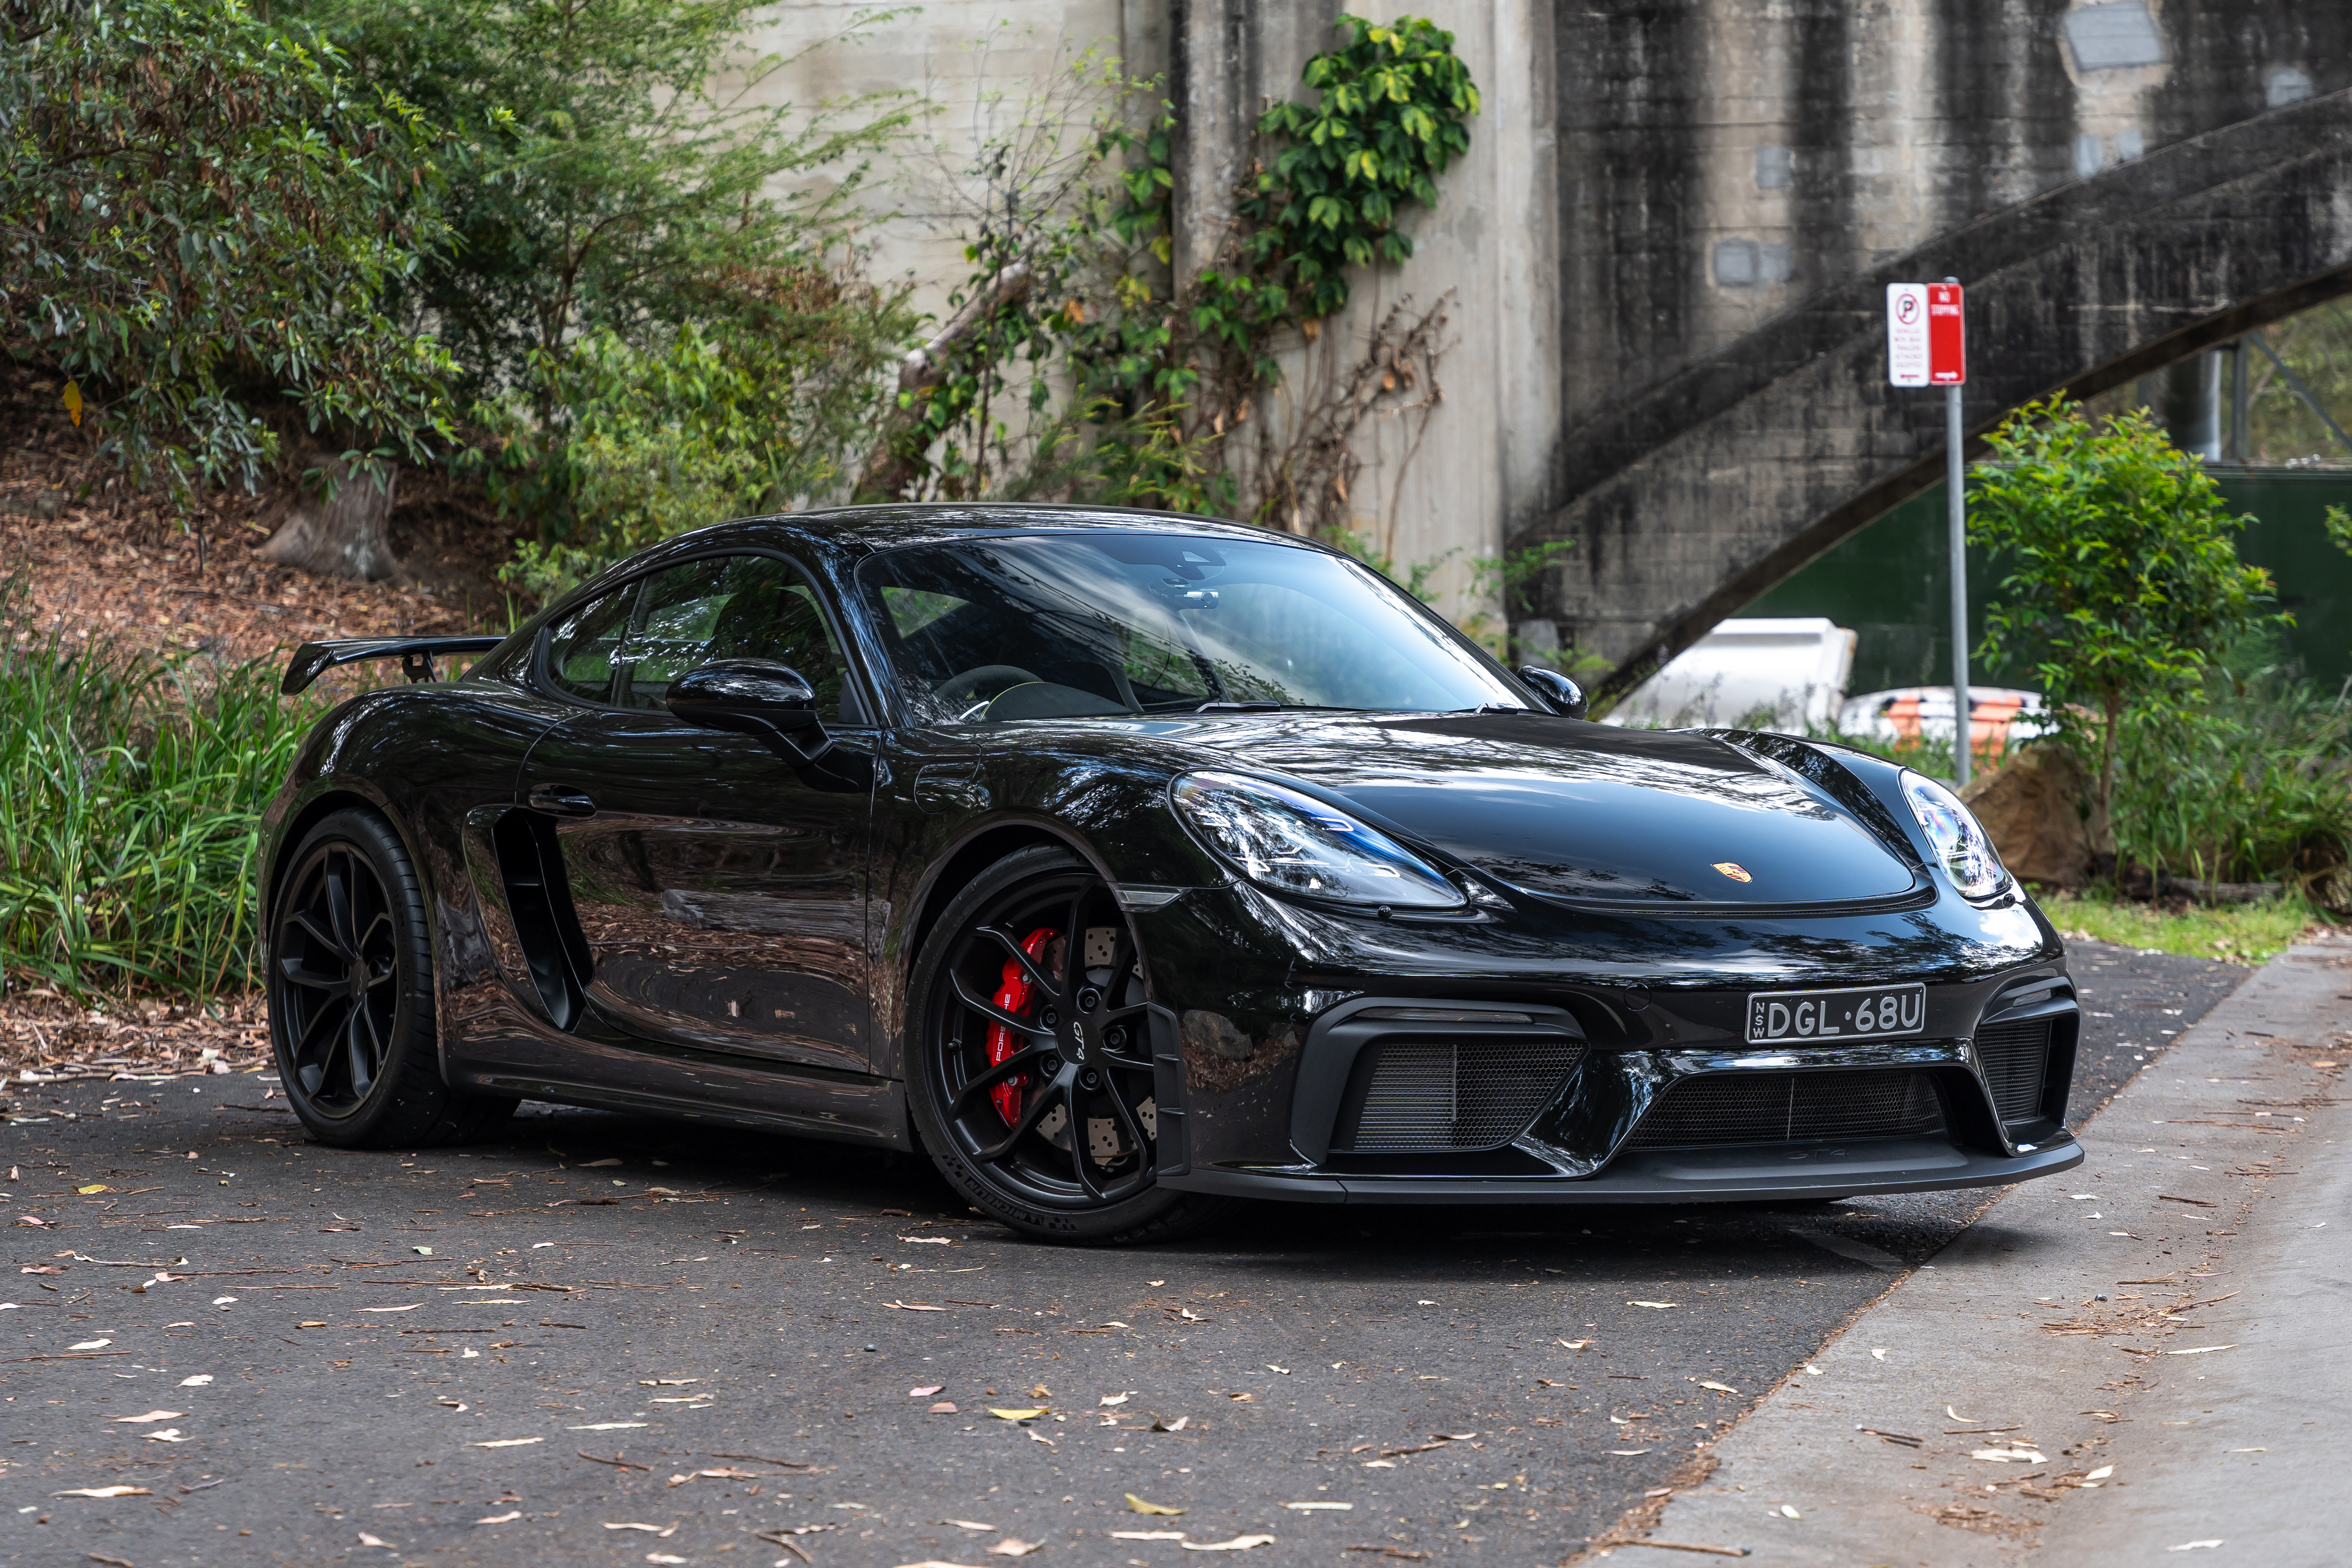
(562, 800)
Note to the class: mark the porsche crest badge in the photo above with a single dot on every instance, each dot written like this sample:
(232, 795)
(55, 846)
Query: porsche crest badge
(1734, 870)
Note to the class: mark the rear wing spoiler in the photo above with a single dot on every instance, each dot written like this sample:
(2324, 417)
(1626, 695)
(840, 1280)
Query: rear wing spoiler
(313, 659)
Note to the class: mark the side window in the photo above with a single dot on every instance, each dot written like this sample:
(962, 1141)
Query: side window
(583, 647)
(736, 607)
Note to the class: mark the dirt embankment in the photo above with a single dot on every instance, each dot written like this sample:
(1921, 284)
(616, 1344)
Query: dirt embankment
(96, 558)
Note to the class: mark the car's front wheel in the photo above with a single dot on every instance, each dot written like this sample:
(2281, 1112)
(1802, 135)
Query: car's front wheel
(1029, 1058)
(350, 982)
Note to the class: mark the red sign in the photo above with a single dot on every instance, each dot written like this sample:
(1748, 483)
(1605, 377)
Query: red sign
(1947, 351)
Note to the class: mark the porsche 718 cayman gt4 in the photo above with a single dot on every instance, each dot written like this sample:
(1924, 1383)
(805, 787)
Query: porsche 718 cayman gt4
(1127, 865)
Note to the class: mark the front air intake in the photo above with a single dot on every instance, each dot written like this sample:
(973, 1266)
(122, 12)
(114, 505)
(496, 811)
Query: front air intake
(1779, 1108)
(2016, 1060)
(1441, 1096)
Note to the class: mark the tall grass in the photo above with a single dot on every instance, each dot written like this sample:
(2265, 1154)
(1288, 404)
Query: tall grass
(131, 785)
(2253, 785)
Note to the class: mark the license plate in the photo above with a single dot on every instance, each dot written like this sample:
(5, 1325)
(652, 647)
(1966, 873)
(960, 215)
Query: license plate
(1863, 1013)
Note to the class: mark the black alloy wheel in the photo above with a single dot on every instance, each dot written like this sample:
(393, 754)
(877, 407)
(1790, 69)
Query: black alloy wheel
(1030, 1070)
(350, 982)
(337, 974)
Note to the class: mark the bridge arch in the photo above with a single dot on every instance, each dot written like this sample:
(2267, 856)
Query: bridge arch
(1694, 496)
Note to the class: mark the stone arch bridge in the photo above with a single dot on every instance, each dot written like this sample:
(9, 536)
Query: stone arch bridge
(2119, 184)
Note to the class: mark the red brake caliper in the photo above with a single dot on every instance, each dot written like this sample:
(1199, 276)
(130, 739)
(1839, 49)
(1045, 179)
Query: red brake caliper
(1013, 996)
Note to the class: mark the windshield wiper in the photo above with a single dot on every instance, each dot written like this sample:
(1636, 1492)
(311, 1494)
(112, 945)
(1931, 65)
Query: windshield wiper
(1264, 705)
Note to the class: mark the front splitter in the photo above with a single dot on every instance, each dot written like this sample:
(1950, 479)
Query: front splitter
(1787, 1172)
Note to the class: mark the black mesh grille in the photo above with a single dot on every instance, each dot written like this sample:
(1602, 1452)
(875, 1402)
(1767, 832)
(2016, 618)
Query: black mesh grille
(2016, 1060)
(1445, 1095)
(1773, 1107)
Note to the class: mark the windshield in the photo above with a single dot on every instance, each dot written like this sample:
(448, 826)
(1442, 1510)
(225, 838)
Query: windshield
(1068, 625)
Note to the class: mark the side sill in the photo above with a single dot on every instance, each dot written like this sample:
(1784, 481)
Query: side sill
(871, 1127)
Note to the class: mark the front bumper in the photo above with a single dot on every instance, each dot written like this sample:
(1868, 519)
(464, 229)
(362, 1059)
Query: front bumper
(1299, 1082)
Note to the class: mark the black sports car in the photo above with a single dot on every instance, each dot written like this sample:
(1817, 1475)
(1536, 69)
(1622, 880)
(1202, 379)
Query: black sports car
(1129, 865)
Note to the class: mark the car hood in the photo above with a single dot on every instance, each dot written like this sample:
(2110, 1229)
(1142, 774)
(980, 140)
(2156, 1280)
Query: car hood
(1583, 812)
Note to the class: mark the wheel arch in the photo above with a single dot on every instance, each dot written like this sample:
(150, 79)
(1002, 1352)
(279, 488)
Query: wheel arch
(982, 846)
(335, 795)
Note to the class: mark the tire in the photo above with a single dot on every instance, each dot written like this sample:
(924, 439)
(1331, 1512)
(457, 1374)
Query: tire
(1006, 1132)
(350, 984)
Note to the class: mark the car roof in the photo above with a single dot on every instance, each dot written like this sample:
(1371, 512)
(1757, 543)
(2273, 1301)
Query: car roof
(865, 530)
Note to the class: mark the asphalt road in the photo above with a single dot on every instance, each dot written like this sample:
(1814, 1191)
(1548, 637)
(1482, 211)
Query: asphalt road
(382, 1358)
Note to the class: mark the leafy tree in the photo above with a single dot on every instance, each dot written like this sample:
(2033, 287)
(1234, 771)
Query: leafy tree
(630, 217)
(717, 422)
(2122, 581)
(614, 169)
(202, 213)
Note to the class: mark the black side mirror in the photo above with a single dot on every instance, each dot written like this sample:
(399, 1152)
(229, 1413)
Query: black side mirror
(753, 696)
(1565, 696)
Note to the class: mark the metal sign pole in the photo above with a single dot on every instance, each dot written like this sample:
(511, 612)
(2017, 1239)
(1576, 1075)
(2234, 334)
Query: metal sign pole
(1926, 345)
(1956, 503)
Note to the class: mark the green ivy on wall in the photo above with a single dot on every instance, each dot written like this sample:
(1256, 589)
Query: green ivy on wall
(1136, 394)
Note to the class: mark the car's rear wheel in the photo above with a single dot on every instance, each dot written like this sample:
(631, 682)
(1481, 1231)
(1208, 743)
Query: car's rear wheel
(350, 981)
(1029, 1058)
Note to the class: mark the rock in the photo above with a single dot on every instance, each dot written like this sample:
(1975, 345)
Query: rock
(344, 533)
(2033, 805)
(42, 504)
(1217, 1034)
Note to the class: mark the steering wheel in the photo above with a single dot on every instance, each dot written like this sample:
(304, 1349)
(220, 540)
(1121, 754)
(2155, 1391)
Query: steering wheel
(958, 686)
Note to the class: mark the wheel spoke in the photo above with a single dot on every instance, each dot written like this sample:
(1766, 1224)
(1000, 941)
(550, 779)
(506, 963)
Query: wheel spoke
(1136, 1063)
(997, 1014)
(391, 973)
(1127, 1117)
(996, 1074)
(338, 890)
(1023, 1128)
(1074, 946)
(311, 929)
(294, 972)
(382, 921)
(367, 1053)
(1028, 965)
(316, 1033)
(1082, 1159)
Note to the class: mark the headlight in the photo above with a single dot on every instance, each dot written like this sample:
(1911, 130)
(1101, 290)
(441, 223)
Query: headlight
(1294, 844)
(1960, 841)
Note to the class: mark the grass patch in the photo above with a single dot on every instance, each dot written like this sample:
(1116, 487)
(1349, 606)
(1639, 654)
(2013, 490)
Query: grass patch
(131, 786)
(2240, 933)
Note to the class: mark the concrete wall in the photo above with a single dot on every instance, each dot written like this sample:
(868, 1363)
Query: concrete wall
(1665, 243)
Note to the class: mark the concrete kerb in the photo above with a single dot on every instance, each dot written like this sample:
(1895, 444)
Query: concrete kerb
(2140, 1358)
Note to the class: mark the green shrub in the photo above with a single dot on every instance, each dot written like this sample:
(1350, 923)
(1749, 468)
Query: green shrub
(202, 213)
(2251, 783)
(743, 416)
(2121, 580)
(130, 791)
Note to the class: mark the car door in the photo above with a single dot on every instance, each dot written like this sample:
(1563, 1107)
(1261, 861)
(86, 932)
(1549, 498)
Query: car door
(719, 885)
